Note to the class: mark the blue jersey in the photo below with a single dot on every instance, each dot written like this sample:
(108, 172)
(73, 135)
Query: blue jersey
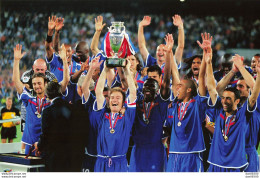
(229, 152)
(93, 129)
(33, 124)
(151, 132)
(148, 154)
(72, 94)
(56, 66)
(113, 137)
(253, 127)
(186, 119)
(252, 140)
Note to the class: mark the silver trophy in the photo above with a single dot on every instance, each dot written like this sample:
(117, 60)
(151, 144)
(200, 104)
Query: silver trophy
(116, 37)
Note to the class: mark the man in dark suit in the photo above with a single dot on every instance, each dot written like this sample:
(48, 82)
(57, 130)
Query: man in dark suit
(55, 140)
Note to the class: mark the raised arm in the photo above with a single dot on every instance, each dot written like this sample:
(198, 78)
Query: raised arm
(130, 82)
(100, 87)
(141, 40)
(122, 77)
(18, 55)
(206, 44)
(177, 21)
(77, 74)
(238, 61)
(253, 97)
(99, 27)
(48, 46)
(210, 77)
(86, 83)
(222, 84)
(165, 87)
(58, 26)
(66, 75)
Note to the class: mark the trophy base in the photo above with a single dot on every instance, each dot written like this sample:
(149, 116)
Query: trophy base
(115, 62)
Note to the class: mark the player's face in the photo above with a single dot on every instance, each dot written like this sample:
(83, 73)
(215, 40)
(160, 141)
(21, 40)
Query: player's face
(116, 101)
(96, 73)
(150, 89)
(160, 54)
(9, 103)
(155, 76)
(38, 85)
(182, 90)
(68, 52)
(242, 87)
(254, 62)
(83, 54)
(228, 101)
(195, 66)
(134, 62)
(40, 67)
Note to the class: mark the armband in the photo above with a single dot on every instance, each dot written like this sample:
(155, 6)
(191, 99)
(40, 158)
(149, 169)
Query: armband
(49, 39)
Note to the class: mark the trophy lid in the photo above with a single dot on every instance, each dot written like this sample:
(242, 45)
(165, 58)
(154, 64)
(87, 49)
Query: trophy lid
(117, 27)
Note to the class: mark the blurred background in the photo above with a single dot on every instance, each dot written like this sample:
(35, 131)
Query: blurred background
(234, 24)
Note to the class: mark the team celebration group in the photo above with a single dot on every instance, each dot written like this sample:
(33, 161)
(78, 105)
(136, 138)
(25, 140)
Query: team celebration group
(146, 116)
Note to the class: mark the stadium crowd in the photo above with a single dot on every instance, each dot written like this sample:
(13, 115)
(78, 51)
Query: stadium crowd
(27, 29)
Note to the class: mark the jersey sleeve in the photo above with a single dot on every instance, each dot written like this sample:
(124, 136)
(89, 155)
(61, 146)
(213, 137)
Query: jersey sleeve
(97, 116)
(130, 112)
(55, 61)
(88, 102)
(24, 96)
(150, 61)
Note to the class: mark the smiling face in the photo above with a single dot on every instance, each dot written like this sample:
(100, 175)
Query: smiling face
(228, 101)
(38, 85)
(150, 89)
(195, 66)
(160, 54)
(116, 101)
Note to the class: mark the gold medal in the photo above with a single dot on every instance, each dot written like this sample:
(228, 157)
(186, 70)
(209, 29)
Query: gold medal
(112, 131)
(179, 124)
(39, 115)
(225, 138)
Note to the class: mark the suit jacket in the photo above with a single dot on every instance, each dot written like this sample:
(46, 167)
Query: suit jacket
(55, 140)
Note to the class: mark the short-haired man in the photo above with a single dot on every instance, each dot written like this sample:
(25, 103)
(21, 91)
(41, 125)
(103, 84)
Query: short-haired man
(227, 153)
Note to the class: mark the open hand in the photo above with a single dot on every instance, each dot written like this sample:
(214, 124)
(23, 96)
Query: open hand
(99, 23)
(177, 21)
(51, 23)
(59, 23)
(146, 21)
(18, 52)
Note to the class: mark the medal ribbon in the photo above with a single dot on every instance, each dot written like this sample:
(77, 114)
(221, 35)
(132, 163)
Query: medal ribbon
(110, 121)
(184, 112)
(40, 104)
(147, 114)
(228, 123)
